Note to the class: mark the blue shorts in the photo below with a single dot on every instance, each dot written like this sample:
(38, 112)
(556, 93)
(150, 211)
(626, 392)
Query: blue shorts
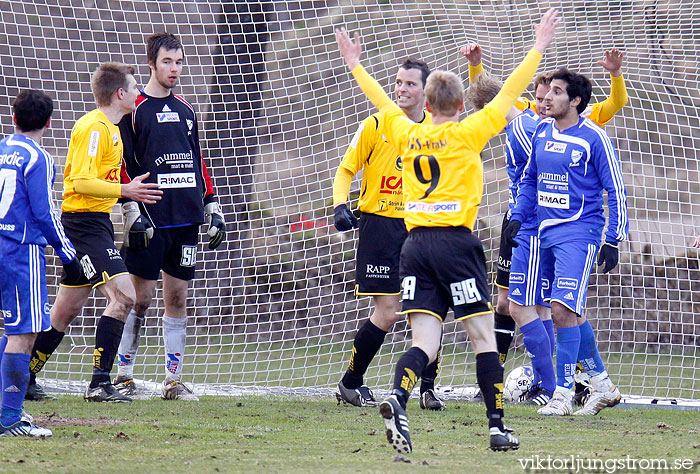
(568, 267)
(23, 295)
(525, 284)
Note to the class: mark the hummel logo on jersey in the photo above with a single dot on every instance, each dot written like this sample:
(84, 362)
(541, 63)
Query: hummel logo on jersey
(12, 388)
(569, 296)
(115, 138)
(517, 292)
(555, 147)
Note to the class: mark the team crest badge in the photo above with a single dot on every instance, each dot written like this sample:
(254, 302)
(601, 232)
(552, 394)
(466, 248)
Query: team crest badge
(190, 123)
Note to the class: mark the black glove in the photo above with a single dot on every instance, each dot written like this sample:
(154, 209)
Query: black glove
(217, 226)
(73, 270)
(608, 254)
(138, 230)
(344, 219)
(509, 232)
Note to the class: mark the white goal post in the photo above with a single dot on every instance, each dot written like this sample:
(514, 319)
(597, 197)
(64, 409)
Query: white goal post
(274, 308)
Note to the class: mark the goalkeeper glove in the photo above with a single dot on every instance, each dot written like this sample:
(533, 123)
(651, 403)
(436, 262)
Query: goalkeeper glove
(608, 254)
(138, 231)
(344, 219)
(510, 232)
(217, 226)
(74, 271)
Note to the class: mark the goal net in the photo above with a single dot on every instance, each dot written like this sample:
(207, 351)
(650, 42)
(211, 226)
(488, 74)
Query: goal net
(273, 308)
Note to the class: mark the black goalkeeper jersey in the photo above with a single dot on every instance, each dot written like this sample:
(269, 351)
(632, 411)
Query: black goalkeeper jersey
(162, 137)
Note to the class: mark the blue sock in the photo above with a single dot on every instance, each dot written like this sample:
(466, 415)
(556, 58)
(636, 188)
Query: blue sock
(568, 341)
(15, 378)
(537, 345)
(3, 345)
(588, 354)
(549, 327)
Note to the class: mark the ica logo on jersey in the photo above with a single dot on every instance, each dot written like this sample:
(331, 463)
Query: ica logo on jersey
(391, 185)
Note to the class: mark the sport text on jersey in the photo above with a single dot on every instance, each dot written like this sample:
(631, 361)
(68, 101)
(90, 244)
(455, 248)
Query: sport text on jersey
(433, 207)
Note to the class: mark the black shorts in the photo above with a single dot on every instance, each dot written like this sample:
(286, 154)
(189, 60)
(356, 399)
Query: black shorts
(505, 252)
(443, 268)
(378, 252)
(92, 236)
(172, 249)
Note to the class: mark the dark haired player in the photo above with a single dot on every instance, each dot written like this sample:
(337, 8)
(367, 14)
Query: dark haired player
(161, 137)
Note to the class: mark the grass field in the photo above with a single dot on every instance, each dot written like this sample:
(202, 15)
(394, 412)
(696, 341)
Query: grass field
(276, 434)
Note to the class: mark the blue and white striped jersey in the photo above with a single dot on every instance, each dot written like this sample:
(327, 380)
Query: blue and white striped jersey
(564, 180)
(519, 133)
(27, 213)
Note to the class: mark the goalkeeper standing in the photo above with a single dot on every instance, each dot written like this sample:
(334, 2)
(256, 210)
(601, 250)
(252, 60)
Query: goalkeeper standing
(162, 137)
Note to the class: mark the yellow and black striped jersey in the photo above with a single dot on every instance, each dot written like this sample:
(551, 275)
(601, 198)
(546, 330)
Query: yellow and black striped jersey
(381, 191)
(95, 151)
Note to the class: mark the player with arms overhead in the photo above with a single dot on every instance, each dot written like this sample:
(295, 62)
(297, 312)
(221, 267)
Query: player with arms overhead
(442, 262)
(382, 233)
(161, 137)
(91, 188)
(28, 222)
(572, 161)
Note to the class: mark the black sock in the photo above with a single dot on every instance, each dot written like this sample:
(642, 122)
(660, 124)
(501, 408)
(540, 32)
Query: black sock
(45, 344)
(430, 373)
(107, 338)
(408, 370)
(505, 331)
(367, 342)
(489, 375)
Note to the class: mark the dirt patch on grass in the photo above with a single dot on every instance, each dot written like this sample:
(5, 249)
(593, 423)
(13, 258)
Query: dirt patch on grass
(54, 420)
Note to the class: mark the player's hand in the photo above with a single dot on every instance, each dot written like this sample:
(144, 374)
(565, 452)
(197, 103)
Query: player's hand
(74, 271)
(608, 254)
(472, 52)
(217, 225)
(350, 50)
(344, 219)
(137, 190)
(613, 62)
(544, 32)
(138, 230)
(510, 232)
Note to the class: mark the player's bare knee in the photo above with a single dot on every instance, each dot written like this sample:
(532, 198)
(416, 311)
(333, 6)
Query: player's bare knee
(141, 306)
(503, 306)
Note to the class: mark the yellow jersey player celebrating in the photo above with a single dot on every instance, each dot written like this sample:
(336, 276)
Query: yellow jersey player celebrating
(382, 233)
(91, 187)
(601, 113)
(442, 262)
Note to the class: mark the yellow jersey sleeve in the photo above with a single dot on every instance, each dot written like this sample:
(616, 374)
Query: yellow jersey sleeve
(94, 154)
(362, 144)
(603, 112)
(88, 145)
(478, 128)
(517, 82)
(374, 91)
(475, 71)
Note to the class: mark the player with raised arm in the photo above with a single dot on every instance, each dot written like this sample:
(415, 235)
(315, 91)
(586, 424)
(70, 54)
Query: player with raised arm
(28, 222)
(601, 113)
(442, 262)
(524, 293)
(161, 137)
(91, 188)
(572, 162)
(382, 233)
